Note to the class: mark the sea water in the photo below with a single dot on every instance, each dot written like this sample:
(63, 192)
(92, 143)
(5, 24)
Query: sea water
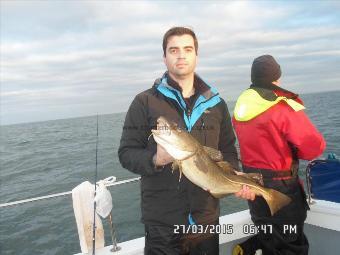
(55, 156)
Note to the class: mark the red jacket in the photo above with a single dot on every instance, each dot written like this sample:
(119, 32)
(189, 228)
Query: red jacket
(265, 141)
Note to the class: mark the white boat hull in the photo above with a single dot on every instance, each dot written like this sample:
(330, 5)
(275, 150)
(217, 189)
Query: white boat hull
(322, 229)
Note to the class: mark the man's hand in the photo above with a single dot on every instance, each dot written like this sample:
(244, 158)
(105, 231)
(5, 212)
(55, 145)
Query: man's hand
(162, 157)
(245, 193)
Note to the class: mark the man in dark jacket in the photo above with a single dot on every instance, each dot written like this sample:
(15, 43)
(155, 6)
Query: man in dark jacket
(183, 97)
(274, 132)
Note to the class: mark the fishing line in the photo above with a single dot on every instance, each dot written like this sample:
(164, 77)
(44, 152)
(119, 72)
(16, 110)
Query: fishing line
(94, 202)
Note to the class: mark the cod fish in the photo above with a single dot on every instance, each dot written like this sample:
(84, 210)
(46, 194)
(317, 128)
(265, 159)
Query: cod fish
(197, 164)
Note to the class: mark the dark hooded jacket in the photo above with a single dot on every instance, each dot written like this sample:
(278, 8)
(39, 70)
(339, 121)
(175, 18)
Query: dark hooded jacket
(165, 199)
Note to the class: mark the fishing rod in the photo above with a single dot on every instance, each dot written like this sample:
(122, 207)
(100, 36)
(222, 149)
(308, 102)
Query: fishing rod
(94, 201)
(115, 247)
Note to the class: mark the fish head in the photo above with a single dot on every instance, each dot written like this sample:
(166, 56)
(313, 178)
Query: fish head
(175, 140)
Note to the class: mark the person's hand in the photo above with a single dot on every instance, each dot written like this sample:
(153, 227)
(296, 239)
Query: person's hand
(162, 157)
(245, 193)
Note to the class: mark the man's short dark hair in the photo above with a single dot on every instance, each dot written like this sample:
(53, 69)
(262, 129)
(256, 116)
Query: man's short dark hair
(178, 31)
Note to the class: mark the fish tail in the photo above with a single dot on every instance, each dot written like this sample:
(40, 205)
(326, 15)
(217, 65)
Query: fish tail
(275, 200)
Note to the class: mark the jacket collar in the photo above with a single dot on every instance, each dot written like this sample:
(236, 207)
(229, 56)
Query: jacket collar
(200, 86)
(266, 88)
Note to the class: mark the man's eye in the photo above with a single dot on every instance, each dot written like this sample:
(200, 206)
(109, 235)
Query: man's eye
(173, 51)
(188, 50)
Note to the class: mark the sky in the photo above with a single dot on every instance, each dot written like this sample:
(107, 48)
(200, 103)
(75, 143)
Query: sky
(64, 59)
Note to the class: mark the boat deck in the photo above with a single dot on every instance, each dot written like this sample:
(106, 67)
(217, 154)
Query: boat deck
(322, 229)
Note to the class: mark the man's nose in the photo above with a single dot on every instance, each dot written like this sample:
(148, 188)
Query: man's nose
(181, 54)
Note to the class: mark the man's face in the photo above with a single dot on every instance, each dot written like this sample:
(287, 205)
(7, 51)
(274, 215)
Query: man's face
(180, 56)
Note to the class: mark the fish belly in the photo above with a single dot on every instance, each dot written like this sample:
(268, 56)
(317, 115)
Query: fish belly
(207, 175)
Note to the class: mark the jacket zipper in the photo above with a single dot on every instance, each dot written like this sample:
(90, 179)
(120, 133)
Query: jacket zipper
(189, 111)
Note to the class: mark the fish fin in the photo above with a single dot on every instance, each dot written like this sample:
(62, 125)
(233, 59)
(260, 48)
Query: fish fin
(214, 154)
(227, 168)
(256, 177)
(178, 166)
(174, 166)
(275, 200)
(180, 173)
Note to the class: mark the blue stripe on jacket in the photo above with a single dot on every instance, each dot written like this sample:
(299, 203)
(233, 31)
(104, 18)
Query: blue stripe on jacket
(200, 106)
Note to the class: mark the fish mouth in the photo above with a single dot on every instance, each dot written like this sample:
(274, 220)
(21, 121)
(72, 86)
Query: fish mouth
(163, 128)
(161, 136)
(156, 133)
(162, 122)
(171, 137)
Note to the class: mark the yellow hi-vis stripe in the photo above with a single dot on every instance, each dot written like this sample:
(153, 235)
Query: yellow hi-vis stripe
(250, 104)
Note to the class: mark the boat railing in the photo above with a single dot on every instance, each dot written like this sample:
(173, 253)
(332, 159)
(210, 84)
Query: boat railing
(108, 182)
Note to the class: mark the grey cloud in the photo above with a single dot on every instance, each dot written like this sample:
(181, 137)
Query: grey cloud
(96, 56)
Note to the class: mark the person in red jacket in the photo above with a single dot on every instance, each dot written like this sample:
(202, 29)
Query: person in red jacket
(274, 132)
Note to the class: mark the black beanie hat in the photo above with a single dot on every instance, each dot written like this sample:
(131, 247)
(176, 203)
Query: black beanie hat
(265, 70)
